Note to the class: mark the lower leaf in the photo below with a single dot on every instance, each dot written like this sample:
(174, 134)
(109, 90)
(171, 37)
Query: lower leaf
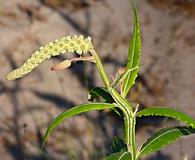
(74, 111)
(167, 112)
(162, 138)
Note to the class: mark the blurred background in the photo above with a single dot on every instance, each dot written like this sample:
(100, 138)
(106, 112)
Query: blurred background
(28, 105)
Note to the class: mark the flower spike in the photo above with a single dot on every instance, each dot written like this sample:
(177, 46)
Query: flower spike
(70, 44)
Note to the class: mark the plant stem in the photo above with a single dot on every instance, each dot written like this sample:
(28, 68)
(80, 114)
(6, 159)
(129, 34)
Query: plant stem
(123, 104)
(100, 68)
(132, 138)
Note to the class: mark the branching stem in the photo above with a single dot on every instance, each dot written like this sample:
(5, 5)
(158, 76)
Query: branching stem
(123, 104)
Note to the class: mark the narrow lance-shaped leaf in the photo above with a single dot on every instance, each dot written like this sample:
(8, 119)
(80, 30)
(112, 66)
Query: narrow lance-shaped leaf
(122, 76)
(168, 112)
(74, 111)
(163, 138)
(123, 155)
(134, 54)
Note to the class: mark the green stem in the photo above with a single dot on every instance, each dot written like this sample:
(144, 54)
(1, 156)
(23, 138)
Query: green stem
(132, 138)
(100, 68)
(128, 114)
(123, 104)
(117, 97)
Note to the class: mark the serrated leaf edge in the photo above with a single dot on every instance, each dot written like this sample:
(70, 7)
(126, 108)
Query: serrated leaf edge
(68, 114)
(157, 114)
(171, 141)
(136, 31)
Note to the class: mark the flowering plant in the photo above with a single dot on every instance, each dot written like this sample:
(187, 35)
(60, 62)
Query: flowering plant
(113, 99)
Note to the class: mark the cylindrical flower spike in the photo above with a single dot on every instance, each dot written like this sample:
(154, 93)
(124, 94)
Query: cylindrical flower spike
(77, 44)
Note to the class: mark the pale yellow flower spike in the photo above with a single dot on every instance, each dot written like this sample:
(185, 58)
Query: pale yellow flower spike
(77, 44)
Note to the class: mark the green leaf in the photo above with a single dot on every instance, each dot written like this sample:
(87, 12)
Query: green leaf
(168, 112)
(162, 138)
(121, 77)
(123, 155)
(100, 92)
(134, 54)
(118, 145)
(74, 111)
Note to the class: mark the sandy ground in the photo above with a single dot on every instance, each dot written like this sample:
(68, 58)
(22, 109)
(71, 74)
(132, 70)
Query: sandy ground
(167, 75)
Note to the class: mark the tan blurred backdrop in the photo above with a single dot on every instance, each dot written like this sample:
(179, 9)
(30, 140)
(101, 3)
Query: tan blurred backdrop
(167, 75)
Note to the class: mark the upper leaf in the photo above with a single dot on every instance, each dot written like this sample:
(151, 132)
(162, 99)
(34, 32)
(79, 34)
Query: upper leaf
(122, 76)
(168, 112)
(134, 54)
(163, 138)
(123, 155)
(74, 111)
